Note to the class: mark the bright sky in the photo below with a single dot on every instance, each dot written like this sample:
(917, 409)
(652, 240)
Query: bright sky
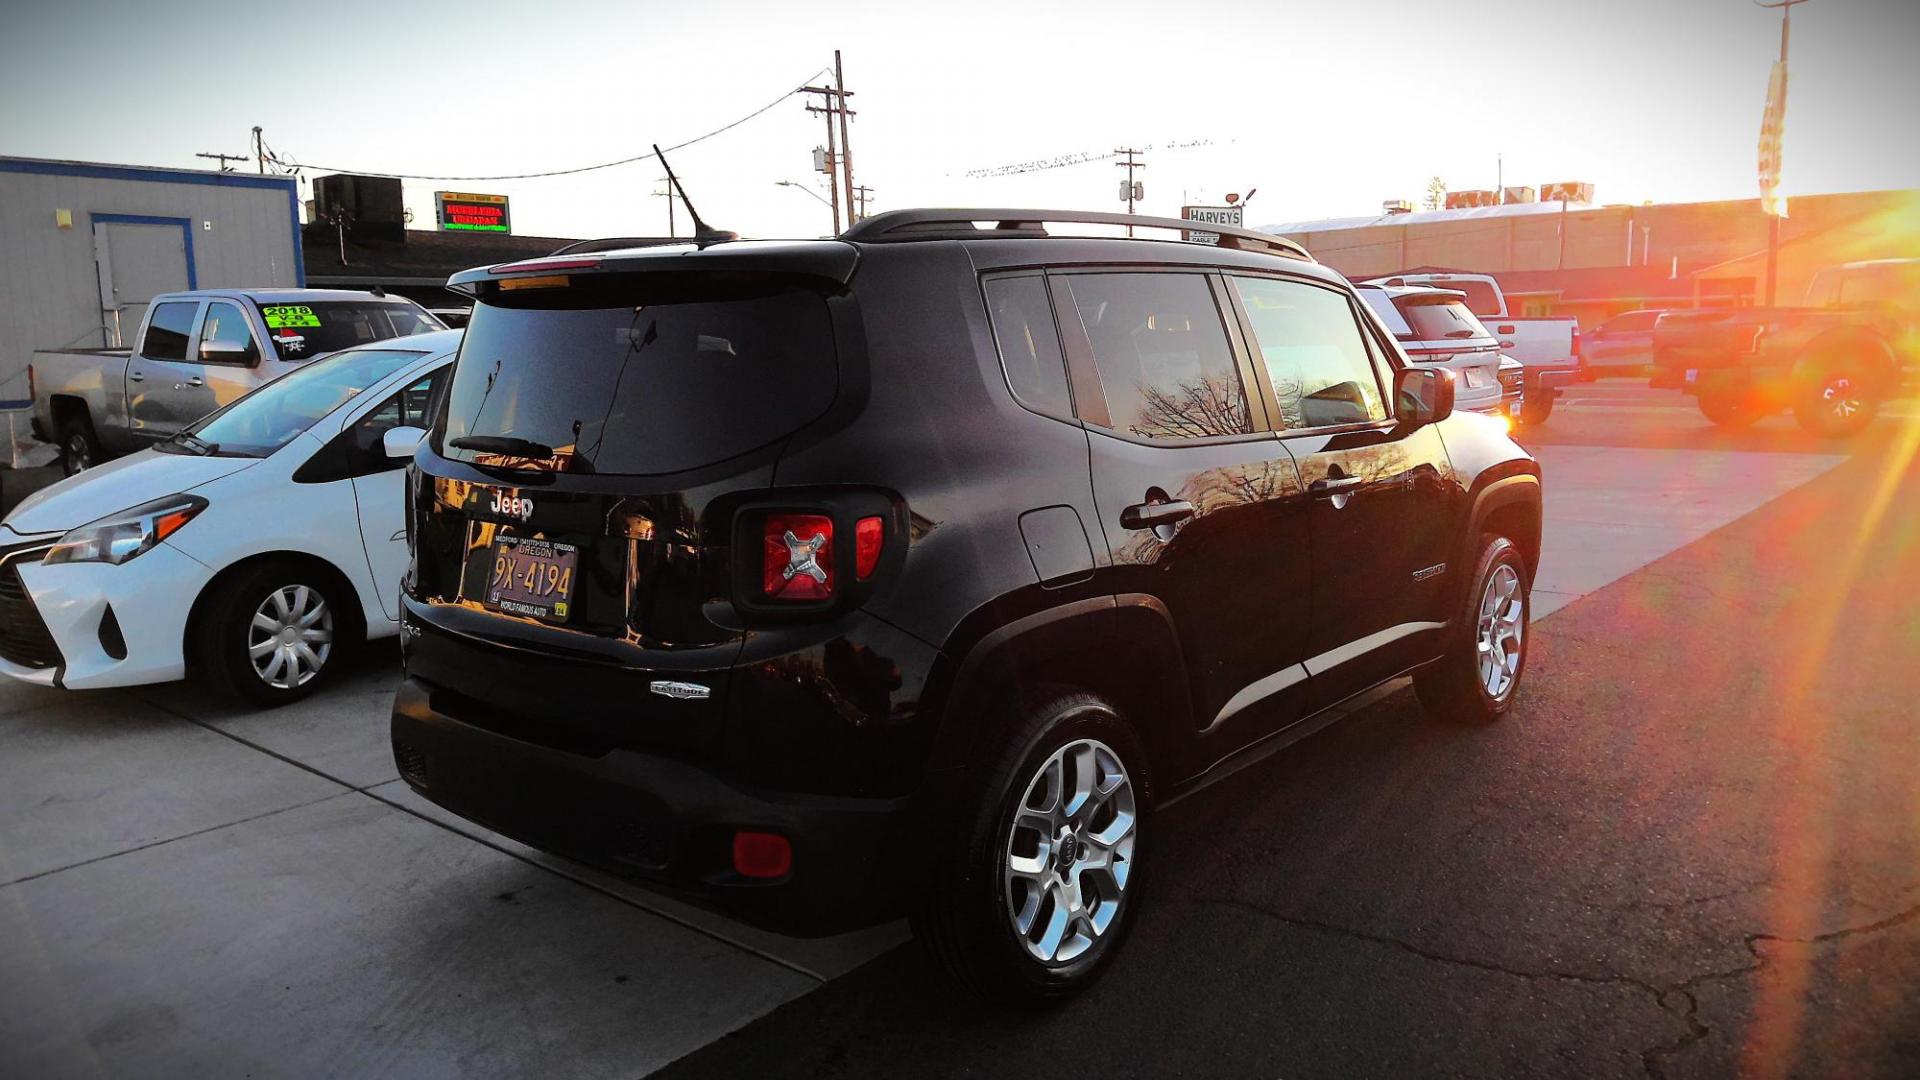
(1326, 107)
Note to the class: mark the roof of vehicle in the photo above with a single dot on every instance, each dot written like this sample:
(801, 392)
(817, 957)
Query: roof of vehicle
(288, 295)
(1020, 237)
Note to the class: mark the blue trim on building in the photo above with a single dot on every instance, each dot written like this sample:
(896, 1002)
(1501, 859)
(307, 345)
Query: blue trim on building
(186, 234)
(89, 170)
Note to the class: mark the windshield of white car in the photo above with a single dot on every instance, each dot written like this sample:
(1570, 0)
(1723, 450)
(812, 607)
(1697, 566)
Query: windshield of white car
(275, 414)
(304, 331)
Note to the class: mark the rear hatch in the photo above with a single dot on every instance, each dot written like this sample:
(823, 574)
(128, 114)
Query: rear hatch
(1437, 328)
(575, 502)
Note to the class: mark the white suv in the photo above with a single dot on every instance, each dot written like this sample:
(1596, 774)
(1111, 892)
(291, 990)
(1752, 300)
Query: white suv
(1435, 327)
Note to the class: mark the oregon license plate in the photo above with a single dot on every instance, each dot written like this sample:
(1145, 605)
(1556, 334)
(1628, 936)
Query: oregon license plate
(532, 577)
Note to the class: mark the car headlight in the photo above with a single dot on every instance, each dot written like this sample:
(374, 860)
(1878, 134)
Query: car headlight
(119, 537)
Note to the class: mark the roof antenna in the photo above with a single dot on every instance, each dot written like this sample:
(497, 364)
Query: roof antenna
(703, 233)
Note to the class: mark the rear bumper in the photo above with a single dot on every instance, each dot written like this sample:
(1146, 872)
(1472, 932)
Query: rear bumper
(660, 820)
(1551, 378)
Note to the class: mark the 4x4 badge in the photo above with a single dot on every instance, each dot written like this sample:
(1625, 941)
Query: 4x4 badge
(800, 557)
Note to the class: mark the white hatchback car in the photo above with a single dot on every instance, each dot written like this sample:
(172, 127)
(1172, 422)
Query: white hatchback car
(254, 547)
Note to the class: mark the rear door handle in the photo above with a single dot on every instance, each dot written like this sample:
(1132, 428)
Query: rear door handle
(135, 376)
(1335, 485)
(1155, 514)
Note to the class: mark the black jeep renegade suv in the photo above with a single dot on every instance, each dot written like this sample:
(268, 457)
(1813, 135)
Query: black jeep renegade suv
(906, 572)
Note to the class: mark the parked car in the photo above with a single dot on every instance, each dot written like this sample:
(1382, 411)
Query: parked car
(1549, 346)
(195, 352)
(822, 581)
(1623, 345)
(1433, 326)
(1833, 363)
(254, 547)
(1513, 386)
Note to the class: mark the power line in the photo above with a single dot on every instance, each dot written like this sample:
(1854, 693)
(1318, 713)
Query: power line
(649, 155)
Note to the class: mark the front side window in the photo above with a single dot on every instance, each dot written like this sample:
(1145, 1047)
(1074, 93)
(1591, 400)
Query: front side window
(408, 407)
(1310, 340)
(226, 325)
(1162, 353)
(167, 331)
(1029, 345)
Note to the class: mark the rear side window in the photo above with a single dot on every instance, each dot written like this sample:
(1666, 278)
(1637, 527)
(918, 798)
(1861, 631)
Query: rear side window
(625, 381)
(1310, 341)
(1029, 345)
(167, 331)
(1162, 354)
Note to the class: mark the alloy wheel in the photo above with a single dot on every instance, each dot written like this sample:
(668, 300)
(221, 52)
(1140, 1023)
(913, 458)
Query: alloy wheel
(290, 637)
(1070, 851)
(1841, 399)
(1502, 627)
(79, 454)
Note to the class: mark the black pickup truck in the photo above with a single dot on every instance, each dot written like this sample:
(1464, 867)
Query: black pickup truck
(1833, 362)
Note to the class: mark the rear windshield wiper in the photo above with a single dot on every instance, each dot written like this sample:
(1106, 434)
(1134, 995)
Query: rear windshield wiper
(506, 445)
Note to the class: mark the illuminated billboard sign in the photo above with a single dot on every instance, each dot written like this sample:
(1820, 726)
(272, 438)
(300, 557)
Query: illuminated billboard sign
(472, 213)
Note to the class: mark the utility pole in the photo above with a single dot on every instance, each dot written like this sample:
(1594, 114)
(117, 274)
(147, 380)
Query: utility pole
(667, 191)
(846, 141)
(224, 158)
(260, 152)
(1771, 138)
(1130, 189)
(863, 191)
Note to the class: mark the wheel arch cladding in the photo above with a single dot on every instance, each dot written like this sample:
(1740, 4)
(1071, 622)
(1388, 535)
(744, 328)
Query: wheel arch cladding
(1848, 344)
(355, 613)
(1511, 507)
(1121, 649)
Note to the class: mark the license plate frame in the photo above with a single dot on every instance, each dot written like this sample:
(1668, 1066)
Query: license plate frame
(540, 577)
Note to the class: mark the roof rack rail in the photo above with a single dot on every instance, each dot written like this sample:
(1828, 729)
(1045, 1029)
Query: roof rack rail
(899, 226)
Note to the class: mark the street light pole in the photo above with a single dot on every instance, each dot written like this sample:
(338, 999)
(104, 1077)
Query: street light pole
(1779, 121)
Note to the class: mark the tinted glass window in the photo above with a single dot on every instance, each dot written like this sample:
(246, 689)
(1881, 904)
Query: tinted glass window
(275, 414)
(167, 331)
(226, 324)
(1029, 345)
(682, 375)
(1162, 353)
(1439, 320)
(304, 331)
(1311, 343)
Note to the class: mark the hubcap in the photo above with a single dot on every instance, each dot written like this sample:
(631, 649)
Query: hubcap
(79, 455)
(1070, 851)
(1840, 398)
(291, 636)
(1502, 627)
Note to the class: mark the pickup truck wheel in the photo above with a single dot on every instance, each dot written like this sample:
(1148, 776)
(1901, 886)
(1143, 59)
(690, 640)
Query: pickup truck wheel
(1728, 410)
(1537, 406)
(79, 448)
(1836, 403)
(1474, 681)
(1041, 874)
(274, 632)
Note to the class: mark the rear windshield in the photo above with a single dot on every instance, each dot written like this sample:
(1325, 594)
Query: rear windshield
(1445, 320)
(304, 331)
(656, 383)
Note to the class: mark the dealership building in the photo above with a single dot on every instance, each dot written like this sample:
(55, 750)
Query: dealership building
(1555, 258)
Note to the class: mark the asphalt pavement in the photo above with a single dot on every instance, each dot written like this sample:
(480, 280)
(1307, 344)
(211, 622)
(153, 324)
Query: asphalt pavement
(1694, 850)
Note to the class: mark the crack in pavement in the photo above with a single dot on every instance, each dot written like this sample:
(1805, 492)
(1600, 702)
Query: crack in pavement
(1677, 1001)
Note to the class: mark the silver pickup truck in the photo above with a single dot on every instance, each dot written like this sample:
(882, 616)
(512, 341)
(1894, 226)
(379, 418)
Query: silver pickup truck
(195, 352)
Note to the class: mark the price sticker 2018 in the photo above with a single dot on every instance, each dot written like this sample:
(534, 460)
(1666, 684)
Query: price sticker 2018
(286, 315)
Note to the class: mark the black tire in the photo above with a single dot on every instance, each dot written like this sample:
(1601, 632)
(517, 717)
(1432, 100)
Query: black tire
(224, 632)
(965, 918)
(1838, 401)
(1730, 411)
(1454, 687)
(1536, 407)
(79, 446)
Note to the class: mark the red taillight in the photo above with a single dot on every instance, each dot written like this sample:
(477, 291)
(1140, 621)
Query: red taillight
(796, 562)
(869, 533)
(761, 855)
(1576, 344)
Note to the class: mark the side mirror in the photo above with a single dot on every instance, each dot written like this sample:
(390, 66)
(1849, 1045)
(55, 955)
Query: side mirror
(1423, 395)
(401, 442)
(229, 352)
